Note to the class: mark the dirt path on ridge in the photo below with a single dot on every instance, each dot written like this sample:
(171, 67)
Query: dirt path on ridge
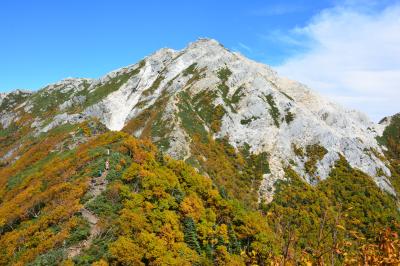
(97, 186)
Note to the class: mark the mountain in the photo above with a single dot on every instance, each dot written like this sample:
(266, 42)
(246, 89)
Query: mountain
(182, 100)
(265, 162)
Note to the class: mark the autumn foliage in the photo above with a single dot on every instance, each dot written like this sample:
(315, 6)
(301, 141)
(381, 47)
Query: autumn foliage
(160, 211)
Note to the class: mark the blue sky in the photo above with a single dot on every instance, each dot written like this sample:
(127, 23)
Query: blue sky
(45, 41)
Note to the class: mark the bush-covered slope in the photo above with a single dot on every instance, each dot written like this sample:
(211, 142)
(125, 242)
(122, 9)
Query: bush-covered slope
(337, 221)
(391, 140)
(155, 211)
(159, 211)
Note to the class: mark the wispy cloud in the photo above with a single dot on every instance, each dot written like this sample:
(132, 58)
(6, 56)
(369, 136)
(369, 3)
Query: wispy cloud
(245, 47)
(291, 38)
(277, 10)
(352, 55)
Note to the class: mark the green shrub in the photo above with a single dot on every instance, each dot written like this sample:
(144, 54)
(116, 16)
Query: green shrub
(224, 73)
(273, 110)
(314, 153)
(51, 258)
(78, 233)
(104, 207)
(190, 70)
(289, 117)
(248, 120)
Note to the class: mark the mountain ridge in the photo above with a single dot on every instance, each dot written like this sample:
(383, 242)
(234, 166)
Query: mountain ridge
(254, 107)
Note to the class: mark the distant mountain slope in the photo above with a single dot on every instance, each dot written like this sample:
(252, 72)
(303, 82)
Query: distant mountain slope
(390, 139)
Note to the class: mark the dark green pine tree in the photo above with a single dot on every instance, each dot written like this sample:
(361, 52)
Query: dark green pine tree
(191, 234)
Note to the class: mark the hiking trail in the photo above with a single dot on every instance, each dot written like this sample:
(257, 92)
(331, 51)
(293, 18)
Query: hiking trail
(97, 186)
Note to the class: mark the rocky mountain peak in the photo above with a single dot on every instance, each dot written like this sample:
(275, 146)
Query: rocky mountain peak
(205, 44)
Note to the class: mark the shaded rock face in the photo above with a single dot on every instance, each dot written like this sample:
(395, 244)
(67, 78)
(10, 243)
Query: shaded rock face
(177, 97)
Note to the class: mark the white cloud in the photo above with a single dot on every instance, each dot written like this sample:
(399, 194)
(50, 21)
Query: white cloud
(354, 58)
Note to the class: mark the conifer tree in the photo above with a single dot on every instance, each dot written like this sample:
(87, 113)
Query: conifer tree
(191, 234)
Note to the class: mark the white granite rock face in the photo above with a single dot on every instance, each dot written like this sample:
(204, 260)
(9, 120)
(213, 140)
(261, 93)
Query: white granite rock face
(73, 101)
(9, 104)
(272, 115)
(62, 119)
